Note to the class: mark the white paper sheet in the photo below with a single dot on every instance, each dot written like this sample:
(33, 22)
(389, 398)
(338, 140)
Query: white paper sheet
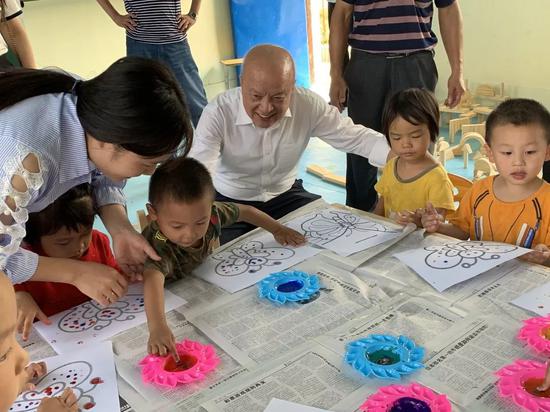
(446, 265)
(278, 405)
(243, 264)
(343, 232)
(536, 300)
(89, 322)
(90, 373)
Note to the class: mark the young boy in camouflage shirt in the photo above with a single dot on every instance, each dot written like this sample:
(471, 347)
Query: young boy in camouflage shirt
(185, 227)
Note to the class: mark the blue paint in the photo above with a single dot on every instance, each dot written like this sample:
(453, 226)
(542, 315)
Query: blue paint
(281, 22)
(292, 286)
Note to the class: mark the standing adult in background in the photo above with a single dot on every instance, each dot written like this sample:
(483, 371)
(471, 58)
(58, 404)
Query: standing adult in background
(331, 4)
(392, 49)
(156, 29)
(14, 36)
(251, 137)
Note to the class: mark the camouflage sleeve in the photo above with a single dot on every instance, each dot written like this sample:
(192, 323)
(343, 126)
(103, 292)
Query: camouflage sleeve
(159, 243)
(228, 213)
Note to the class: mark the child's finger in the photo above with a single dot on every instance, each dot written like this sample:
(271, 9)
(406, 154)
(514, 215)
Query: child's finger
(431, 209)
(42, 317)
(174, 351)
(27, 326)
(20, 322)
(68, 397)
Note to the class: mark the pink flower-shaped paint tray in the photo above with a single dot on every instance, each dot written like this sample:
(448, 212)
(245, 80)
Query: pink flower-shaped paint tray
(400, 398)
(519, 381)
(536, 332)
(196, 360)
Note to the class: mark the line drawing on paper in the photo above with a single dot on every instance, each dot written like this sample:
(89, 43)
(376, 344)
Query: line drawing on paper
(464, 254)
(92, 315)
(250, 257)
(75, 375)
(323, 228)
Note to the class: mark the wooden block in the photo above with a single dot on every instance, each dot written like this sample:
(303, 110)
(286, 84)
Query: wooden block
(316, 170)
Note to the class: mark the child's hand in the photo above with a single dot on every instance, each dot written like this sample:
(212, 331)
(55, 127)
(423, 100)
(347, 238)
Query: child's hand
(162, 342)
(431, 219)
(540, 254)
(406, 216)
(64, 403)
(287, 236)
(34, 371)
(27, 311)
(546, 383)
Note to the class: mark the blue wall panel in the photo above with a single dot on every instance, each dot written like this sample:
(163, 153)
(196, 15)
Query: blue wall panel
(280, 22)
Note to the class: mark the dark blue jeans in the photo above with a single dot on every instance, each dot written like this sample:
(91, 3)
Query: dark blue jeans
(177, 56)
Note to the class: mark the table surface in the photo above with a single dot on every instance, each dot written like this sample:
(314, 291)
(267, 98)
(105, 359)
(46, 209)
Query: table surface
(296, 352)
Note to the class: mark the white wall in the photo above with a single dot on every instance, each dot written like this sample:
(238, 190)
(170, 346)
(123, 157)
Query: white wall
(504, 41)
(78, 36)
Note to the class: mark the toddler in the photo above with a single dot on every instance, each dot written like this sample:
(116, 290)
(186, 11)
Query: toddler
(15, 375)
(513, 206)
(62, 230)
(185, 228)
(413, 178)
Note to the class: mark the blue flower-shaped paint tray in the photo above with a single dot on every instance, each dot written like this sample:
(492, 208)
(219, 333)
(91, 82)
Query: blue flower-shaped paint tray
(384, 356)
(283, 287)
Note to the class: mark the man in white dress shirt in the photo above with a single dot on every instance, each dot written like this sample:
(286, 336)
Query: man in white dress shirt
(251, 137)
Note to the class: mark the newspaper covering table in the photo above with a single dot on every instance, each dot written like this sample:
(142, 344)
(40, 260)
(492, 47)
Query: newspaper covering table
(254, 330)
(295, 352)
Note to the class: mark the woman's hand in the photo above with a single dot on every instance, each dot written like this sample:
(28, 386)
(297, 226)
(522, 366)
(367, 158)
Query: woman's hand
(131, 250)
(100, 282)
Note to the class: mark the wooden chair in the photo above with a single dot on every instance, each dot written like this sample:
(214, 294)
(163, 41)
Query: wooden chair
(143, 219)
(460, 186)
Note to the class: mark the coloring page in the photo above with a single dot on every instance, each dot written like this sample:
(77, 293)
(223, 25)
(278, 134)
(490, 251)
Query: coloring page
(90, 373)
(243, 264)
(446, 265)
(536, 300)
(90, 322)
(343, 232)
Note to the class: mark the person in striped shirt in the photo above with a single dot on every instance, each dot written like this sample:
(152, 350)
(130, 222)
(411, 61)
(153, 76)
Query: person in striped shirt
(392, 49)
(156, 29)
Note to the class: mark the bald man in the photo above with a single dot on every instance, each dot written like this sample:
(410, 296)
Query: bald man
(251, 137)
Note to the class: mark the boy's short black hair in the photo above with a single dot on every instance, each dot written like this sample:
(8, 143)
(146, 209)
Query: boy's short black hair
(416, 106)
(519, 112)
(73, 209)
(182, 179)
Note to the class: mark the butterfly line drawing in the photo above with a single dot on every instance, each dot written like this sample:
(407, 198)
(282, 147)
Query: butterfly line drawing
(92, 315)
(74, 375)
(323, 228)
(464, 254)
(250, 257)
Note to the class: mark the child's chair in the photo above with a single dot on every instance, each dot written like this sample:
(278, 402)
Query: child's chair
(460, 186)
(143, 219)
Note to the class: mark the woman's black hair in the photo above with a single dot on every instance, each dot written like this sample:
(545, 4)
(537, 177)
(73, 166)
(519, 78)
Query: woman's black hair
(416, 106)
(136, 104)
(72, 210)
